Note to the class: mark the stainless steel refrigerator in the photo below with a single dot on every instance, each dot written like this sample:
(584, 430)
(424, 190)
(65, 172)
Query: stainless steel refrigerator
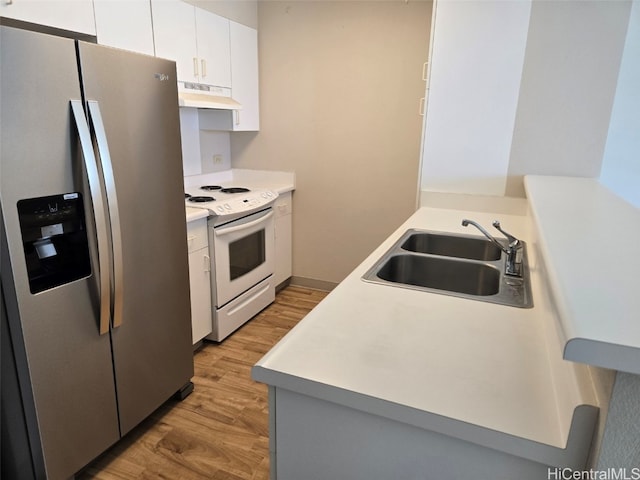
(96, 329)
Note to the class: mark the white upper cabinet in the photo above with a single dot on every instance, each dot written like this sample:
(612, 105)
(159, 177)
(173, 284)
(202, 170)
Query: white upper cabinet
(124, 24)
(174, 33)
(74, 15)
(244, 76)
(212, 33)
(196, 39)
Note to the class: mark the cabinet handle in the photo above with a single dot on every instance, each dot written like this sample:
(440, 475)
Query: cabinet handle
(207, 263)
(424, 71)
(237, 112)
(203, 64)
(195, 67)
(421, 107)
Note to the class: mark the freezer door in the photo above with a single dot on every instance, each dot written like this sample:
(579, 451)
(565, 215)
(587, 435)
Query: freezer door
(64, 364)
(133, 106)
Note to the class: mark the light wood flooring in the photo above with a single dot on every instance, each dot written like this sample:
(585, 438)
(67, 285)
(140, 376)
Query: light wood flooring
(221, 430)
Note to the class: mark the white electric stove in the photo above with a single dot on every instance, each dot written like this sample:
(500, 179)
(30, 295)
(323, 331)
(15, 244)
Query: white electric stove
(228, 203)
(241, 232)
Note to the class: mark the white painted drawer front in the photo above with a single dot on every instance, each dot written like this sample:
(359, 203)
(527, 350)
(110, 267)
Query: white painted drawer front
(197, 234)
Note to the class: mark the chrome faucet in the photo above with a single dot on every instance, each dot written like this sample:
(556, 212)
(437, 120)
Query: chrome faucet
(513, 265)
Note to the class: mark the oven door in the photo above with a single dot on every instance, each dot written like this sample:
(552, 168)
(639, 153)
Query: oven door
(244, 254)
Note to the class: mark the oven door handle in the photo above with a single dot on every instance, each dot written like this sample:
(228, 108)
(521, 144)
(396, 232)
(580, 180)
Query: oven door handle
(227, 230)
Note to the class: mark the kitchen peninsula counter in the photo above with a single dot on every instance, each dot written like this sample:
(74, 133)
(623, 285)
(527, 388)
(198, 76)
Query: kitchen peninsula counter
(489, 375)
(589, 237)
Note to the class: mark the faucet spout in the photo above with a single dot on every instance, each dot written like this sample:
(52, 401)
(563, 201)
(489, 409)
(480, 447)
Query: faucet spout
(513, 264)
(513, 241)
(467, 222)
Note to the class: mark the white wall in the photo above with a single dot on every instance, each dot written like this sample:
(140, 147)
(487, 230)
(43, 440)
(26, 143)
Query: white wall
(199, 147)
(190, 139)
(573, 55)
(621, 164)
(476, 66)
(519, 87)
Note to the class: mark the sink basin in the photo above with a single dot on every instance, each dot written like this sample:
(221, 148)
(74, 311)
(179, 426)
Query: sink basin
(442, 274)
(460, 246)
(452, 264)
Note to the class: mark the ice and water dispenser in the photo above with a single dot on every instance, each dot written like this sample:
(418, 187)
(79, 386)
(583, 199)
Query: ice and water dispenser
(55, 241)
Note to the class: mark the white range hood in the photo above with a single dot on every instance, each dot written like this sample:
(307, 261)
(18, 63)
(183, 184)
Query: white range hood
(197, 95)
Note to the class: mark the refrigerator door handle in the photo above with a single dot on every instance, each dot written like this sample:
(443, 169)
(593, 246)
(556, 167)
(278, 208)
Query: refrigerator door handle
(95, 190)
(112, 203)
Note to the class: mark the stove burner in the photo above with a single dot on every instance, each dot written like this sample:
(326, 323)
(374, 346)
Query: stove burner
(201, 199)
(210, 187)
(186, 195)
(235, 190)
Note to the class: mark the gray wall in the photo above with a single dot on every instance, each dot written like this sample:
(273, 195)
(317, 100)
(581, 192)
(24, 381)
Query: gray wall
(621, 440)
(340, 86)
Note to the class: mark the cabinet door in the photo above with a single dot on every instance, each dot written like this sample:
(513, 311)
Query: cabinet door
(174, 33)
(124, 24)
(199, 283)
(283, 208)
(244, 76)
(213, 48)
(74, 15)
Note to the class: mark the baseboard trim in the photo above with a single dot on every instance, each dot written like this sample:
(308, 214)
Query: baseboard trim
(313, 283)
(283, 285)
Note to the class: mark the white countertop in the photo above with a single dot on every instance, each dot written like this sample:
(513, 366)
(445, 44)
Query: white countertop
(195, 214)
(276, 181)
(588, 237)
(468, 369)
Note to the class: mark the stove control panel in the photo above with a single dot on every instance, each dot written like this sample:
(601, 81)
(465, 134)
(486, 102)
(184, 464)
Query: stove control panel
(237, 203)
(249, 202)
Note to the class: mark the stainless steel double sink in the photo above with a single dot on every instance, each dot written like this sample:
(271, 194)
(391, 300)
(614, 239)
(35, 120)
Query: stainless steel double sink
(452, 264)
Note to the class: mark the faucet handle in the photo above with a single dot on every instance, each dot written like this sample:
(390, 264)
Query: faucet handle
(513, 241)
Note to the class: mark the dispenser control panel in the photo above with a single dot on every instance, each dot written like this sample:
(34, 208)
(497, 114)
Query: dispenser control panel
(55, 241)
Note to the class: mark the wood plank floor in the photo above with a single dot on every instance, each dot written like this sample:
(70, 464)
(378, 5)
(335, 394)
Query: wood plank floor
(221, 430)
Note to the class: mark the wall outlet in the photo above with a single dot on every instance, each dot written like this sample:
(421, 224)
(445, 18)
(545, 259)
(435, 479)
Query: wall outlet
(217, 159)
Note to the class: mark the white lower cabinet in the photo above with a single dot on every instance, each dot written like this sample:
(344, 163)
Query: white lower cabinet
(199, 279)
(316, 439)
(283, 209)
(73, 15)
